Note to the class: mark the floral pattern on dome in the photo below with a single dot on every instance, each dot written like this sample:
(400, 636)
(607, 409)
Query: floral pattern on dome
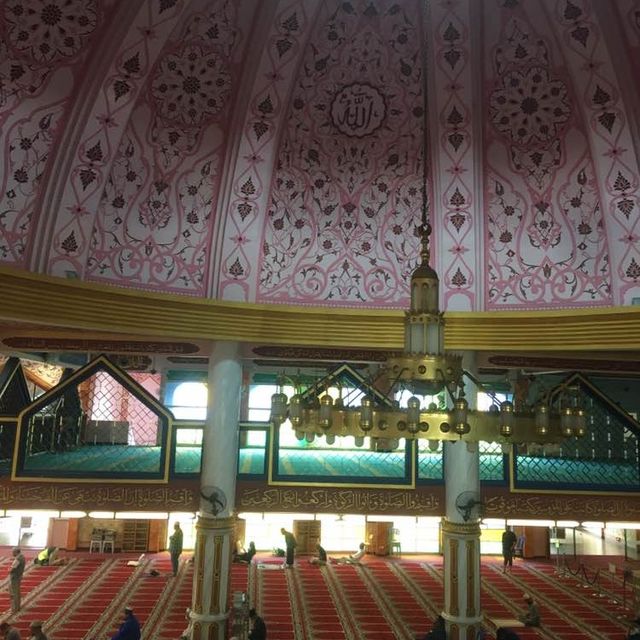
(49, 30)
(191, 87)
(529, 107)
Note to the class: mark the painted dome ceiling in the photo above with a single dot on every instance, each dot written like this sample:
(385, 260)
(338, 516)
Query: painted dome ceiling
(274, 151)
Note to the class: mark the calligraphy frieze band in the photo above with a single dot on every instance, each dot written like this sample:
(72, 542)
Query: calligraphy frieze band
(338, 500)
(14, 495)
(182, 495)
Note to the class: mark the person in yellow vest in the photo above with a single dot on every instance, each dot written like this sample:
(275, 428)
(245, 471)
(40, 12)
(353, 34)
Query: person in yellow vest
(48, 556)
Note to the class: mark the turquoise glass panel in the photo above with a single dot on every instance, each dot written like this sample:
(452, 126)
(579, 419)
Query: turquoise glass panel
(330, 463)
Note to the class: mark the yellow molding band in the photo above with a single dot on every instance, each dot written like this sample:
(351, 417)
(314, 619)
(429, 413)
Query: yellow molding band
(56, 302)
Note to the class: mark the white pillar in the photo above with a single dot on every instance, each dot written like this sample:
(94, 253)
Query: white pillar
(461, 538)
(214, 528)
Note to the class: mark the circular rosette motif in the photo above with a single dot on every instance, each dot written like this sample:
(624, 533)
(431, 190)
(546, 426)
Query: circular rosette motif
(191, 87)
(49, 30)
(529, 107)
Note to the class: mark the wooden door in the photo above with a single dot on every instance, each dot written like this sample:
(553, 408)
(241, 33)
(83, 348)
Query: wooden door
(157, 535)
(307, 534)
(536, 542)
(378, 536)
(58, 533)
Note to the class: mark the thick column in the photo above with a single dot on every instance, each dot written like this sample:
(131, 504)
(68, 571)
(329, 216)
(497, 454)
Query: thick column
(461, 542)
(461, 538)
(214, 528)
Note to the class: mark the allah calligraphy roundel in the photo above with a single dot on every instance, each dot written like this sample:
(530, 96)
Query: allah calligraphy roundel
(358, 110)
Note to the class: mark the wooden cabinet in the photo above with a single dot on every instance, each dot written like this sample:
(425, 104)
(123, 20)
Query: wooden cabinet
(378, 537)
(157, 536)
(536, 542)
(63, 533)
(307, 534)
(135, 535)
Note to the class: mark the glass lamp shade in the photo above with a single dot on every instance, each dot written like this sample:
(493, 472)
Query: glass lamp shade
(366, 413)
(542, 419)
(326, 406)
(506, 418)
(424, 337)
(413, 414)
(278, 408)
(580, 417)
(295, 410)
(566, 422)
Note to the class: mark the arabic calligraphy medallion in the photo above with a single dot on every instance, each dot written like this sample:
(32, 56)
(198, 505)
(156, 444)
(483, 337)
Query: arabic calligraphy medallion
(358, 110)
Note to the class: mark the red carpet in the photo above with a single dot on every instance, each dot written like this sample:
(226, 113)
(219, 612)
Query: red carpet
(381, 599)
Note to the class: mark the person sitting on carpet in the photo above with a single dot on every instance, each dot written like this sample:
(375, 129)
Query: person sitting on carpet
(246, 556)
(258, 627)
(532, 617)
(506, 634)
(7, 632)
(130, 628)
(438, 631)
(36, 631)
(354, 558)
(321, 558)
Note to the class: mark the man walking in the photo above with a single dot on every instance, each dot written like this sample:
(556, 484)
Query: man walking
(175, 547)
(15, 578)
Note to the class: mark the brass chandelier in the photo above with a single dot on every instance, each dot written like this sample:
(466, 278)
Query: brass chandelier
(427, 369)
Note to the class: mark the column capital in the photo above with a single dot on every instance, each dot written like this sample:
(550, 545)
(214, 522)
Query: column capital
(208, 522)
(461, 528)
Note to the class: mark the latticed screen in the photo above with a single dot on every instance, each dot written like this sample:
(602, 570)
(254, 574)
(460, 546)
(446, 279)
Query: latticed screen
(96, 425)
(315, 460)
(606, 456)
(7, 440)
(431, 461)
(491, 461)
